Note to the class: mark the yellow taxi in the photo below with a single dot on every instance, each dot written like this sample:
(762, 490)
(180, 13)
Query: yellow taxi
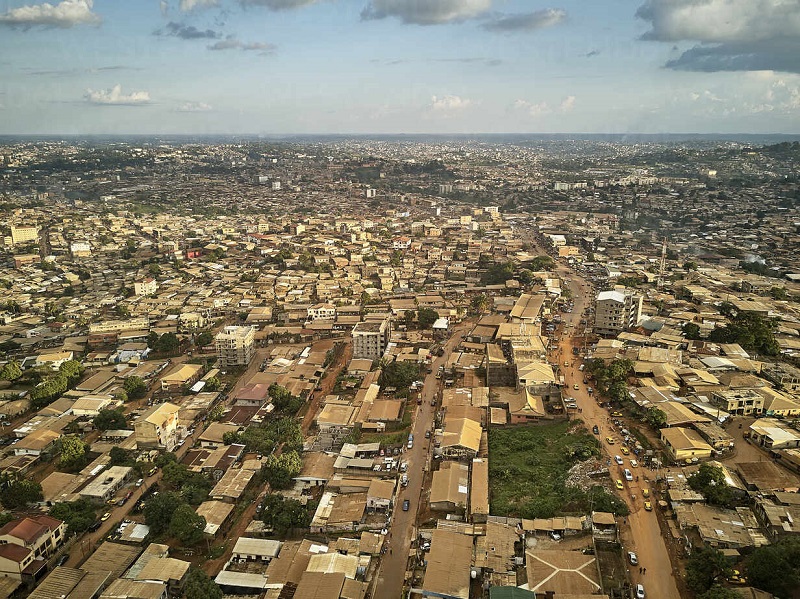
(645, 493)
(648, 507)
(616, 414)
(624, 450)
(610, 440)
(619, 484)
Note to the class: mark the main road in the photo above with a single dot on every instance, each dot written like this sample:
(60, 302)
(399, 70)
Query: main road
(402, 529)
(642, 533)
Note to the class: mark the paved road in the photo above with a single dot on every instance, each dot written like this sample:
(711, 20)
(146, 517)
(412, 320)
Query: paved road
(403, 528)
(643, 534)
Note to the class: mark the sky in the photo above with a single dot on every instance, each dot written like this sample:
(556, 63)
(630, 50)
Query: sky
(399, 66)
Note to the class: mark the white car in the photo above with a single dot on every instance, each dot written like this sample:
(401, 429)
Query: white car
(634, 464)
(639, 591)
(618, 460)
(628, 475)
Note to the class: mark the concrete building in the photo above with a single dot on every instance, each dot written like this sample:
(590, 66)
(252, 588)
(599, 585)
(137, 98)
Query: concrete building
(616, 311)
(370, 339)
(741, 402)
(158, 427)
(322, 311)
(235, 346)
(146, 286)
(24, 234)
(106, 484)
(41, 534)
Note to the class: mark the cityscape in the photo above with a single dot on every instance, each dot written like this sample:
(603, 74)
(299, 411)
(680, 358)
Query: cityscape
(400, 299)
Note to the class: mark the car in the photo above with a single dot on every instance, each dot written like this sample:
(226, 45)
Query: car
(634, 464)
(736, 578)
(152, 471)
(625, 450)
(140, 482)
(404, 480)
(105, 516)
(575, 386)
(628, 475)
(645, 493)
(566, 363)
(648, 507)
(406, 505)
(427, 434)
(555, 536)
(93, 526)
(403, 466)
(619, 484)
(589, 390)
(62, 560)
(616, 414)
(618, 460)
(632, 558)
(610, 440)
(639, 591)
(596, 430)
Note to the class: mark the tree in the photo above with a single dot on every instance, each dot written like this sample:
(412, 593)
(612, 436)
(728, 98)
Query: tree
(17, 494)
(159, 509)
(720, 592)
(10, 371)
(426, 317)
(203, 339)
(498, 273)
(119, 456)
(779, 293)
(282, 469)
(775, 568)
(690, 265)
(710, 481)
(691, 331)
(135, 387)
(73, 454)
(152, 339)
(107, 420)
(186, 525)
(283, 514)
(705, 567)
(213, 384)
(200, 586)
(399, 374)
(168, 343)
(73, 370)
(656, 417)
(480, 303)
(408, 318)
(79, 515)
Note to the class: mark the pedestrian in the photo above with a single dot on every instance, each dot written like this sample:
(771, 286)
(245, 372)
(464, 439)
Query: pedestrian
(644, 571)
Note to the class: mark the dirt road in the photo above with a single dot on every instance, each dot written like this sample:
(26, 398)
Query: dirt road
(327, 383)
(403, 523)
(642, 533)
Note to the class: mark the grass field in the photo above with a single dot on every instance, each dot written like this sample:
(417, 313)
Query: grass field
(528, 467)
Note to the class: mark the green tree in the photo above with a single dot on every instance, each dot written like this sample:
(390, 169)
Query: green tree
(282, 469)
(73, 370)
(426, 317)
(541, 263)
(203, 339)
(10, 371)
(79, 515)
(779, 293)
(399, 374)
(107, 420)
(135, 387)
(690, 265)
(18, 493)
(720, 592)
(408, 318)
(710, 481)
(705, 567)
(480, 303)
(186, 525)
(73, 454)
(775, 568)
(691, 331)
(213, 384)
(656, 417)
(120, 456)
(283, 514)
(152, 339)
(158, 511)
(200, 586)
(498, 273)
(168, 343)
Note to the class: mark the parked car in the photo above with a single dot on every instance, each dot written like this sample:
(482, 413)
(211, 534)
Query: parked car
(595, 430)
(105, 516)
(632, 558)
(639, 591)
(618, 460)
(619, 485)
(628, 475)
(93, 526)
(610, 440)
(406, 505)
(62, 560)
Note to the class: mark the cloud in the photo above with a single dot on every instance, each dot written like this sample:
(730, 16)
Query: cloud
(567, 104)
(592, 53)
(531, 21)
(277, 4)
(72, 72)
(194, 107)
(449, 103)
(489, 62)
(426, 12)
(188, 5)
(186, 32)
(733, 35)
(233, 43)
(64, 15)
(535, 109)
(115, 97)
(164, 6)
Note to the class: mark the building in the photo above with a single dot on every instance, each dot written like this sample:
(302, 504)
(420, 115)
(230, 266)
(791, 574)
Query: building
(106, 484)
(740, 402)
(685, 444)
(146, 286)
(370, 339)
(449, 562)
(41, 534)
(24, 234)
(616, 311)
(321, 312)
(80, 249)
(235, 346)
(20, 563)
(182, 377)
(773, 434)
(450, 488)
(158, 427)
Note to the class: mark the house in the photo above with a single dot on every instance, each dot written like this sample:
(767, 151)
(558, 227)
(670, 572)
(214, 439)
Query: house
(323, 311)
(53, 360)
(773, 434)
(260, 550)
(741, 402)
(214, 435)
(40, 534)
(20, 563)
(37, 442)
(616, 311)
(685, 444)
(479, 491)
(147, 286)
(106, 484)
(450, 488)
(183, 376)
(461, 439)
(449, 561)
(157, 428)
(90, 405)
(380, 494)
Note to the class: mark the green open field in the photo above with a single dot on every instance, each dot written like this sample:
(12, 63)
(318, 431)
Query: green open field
(528, 467)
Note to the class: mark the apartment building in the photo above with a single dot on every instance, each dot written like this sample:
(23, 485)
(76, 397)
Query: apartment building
(616, 312)
(24, 234)
(370, 339)
(41, 534)
(322, 311)
(158, 427)
(146, 286)
(235, 346)
(741, 402)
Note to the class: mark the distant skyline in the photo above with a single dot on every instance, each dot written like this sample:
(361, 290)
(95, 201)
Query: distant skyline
(399, 66)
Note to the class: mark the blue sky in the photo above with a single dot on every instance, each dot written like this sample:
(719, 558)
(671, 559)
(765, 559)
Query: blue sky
(399, 66)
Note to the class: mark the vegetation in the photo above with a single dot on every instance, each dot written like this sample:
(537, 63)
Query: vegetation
(73, 454)
(426, 317)
(158, 511)
(610, 380)
(107, 420)
(193, 487)
(200, 586)
(498, 273)
(280, 470)
(265, 438)
(79, 515)
(18, 493)
(399, 375)
(656, 417)
(775, 568)
(709, 480)
(706, 567)
(528, 469)
(283, 514)
(10, 371)
(135, 387)
(752, 331)
(691, 331)
(284, 402)
(186, 525)
(204, 339)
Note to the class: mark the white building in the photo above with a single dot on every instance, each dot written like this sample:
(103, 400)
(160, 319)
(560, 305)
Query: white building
(24, 234)
(80, 249)
(616, 311)
(147, 286)
(370, 339)
(322, 312)
(235, 346)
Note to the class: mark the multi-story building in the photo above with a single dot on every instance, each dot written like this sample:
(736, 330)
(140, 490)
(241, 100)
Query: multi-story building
(616, 311)
(322, 312)
(370, 339)
(158, 427)
(741, 402)
(24, 234)
(235, 346)
(41, 534)
(146, 286)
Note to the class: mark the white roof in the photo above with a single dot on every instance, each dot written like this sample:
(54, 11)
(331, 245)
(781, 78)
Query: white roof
(247, 546)
(616, 296)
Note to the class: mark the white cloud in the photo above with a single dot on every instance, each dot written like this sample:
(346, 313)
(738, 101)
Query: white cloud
(426, 12)
(535, 109)
(277, 4)
(233, 43)
(194, 107)
(164, 5)
(449, 103)
(532, 21)
(115, 97)
(187, 5)
(64, 15)
(567, 104)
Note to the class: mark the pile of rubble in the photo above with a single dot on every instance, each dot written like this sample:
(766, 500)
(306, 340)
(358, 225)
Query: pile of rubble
(587, 474)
